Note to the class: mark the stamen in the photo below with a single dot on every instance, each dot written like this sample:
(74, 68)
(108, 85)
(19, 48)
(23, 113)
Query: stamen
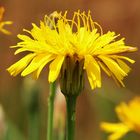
(63, 17)
(55, 16)
(73, 20)
(78, 19)
(47, 19)
(83, 16)
(90, 21)
(99, 27)
(65, 14)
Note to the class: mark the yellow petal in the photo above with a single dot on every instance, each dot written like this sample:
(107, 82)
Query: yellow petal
(126, 114)
(20, 50)
(32, 45)
(114, 68)
(24, 37)
(117, 130)
(106, 70)
(36, 32)
(115, 47)
(16, 68)
(7, 22)
(36, 73)
(55, 68)
(123, 65)
(5, 31)
(123, 57)
(102, 41)
(93, 71)
(129, 114)
(36, 63)
(2, 24)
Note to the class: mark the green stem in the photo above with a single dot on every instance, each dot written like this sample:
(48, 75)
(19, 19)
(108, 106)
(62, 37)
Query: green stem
(51, 110)
(70, 122)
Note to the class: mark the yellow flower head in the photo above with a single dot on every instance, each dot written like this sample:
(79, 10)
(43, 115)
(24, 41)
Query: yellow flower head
(3, 23)
(79, 38)
(129, 116)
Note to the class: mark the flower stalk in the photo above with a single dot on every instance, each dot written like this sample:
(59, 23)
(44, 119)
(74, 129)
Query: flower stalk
(51, 110)
(71, 116)
(72, 79)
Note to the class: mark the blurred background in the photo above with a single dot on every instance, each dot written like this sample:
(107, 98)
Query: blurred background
(23, 102)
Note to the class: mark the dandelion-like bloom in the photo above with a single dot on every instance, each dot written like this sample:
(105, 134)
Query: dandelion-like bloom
(129, 116)
(3, 23)
(76, 44)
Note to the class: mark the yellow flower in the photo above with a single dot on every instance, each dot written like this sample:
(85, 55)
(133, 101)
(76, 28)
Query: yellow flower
(3, 23)
(129, 116)
(78, 38)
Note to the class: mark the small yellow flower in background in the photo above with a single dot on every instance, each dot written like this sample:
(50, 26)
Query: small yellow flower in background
(3, 23)
(129, 116)
(79, 39)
